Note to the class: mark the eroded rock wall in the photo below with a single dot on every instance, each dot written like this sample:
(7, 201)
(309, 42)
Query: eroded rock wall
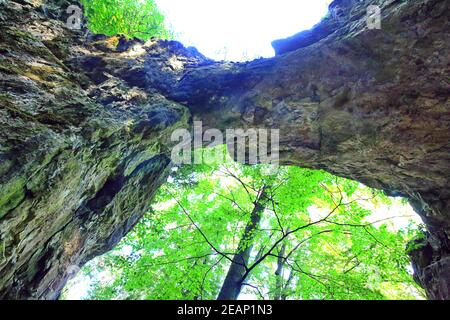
(82, 151)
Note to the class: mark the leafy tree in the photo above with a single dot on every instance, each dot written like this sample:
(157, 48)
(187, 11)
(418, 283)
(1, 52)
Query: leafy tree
(216, 231)
(131, 18)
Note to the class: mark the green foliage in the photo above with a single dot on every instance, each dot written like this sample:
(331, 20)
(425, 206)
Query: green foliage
(131, 18)
(321, 225)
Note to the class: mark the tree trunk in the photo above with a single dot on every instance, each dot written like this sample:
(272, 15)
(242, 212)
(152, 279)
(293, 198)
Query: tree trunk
(86, 123)
(285, 292)
(232, 285)
(279, 281)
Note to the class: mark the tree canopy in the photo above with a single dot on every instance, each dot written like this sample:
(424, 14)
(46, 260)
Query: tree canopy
(293, 234)
(131, 18)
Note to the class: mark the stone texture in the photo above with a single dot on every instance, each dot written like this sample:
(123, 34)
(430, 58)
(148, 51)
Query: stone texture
(86, 123)
(81, 152)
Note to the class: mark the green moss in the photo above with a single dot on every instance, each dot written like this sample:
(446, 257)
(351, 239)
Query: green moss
(342, 99)
(11, 195)
(418, 243)
(16, 112)
(10, 68)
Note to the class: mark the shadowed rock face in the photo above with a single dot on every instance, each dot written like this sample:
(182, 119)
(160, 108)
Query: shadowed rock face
(340, 12)
(86, 123)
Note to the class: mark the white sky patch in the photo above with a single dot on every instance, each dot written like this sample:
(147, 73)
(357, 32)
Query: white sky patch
(239, 30)
(395, 216)
(78, 288)
(126, 250)
(399, 215)
(160, 206)
(170, 226)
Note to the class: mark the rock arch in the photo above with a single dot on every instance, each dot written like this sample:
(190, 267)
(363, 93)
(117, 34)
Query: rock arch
(86, 123)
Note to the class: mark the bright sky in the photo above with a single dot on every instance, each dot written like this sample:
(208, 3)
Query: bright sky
(239, 29)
